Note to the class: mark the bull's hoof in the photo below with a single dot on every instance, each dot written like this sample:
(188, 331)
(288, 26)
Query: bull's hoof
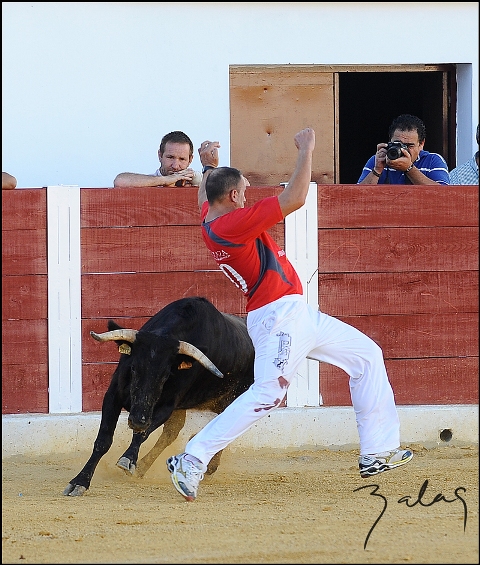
(74, 490)
(125, 464)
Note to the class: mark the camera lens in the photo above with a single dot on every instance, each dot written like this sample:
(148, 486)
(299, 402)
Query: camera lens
(394, 153)
(394, 150)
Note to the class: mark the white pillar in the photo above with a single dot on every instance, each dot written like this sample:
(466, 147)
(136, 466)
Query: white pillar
(301, 247)
(64, 300)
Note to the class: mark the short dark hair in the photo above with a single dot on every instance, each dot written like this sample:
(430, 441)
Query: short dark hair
(220, 182)
(407, 122)
(175, 137)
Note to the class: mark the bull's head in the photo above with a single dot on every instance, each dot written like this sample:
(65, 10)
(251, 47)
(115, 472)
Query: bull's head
(184, 347)
(153, 359)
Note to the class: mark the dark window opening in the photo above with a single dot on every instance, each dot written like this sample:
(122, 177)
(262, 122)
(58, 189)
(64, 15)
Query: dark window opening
(369, 101)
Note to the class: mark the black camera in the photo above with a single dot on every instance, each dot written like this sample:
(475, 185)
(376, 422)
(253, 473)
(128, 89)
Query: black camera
(394, 150)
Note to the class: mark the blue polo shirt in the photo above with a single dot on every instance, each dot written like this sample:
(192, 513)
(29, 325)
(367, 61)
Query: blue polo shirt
(432, 166)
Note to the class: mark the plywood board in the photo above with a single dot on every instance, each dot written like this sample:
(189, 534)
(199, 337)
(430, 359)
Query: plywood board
(267, 110)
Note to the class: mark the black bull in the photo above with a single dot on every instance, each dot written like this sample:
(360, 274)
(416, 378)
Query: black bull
(162, 373)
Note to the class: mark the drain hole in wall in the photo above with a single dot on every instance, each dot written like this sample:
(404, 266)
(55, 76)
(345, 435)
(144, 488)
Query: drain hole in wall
(446, 435)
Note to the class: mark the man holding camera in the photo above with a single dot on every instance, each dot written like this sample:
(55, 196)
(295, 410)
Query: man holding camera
(403, 160)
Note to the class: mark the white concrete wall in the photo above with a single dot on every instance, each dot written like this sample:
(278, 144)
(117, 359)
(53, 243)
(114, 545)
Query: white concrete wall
(284, 428)
(89, 88)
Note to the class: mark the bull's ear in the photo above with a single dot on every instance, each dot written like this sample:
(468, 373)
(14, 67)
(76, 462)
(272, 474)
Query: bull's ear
(113, 326)
(185, 365)
(125, 349)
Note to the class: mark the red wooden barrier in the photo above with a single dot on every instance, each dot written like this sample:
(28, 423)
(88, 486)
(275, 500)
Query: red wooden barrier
(400, 263)
(141, 249)
(24, 301)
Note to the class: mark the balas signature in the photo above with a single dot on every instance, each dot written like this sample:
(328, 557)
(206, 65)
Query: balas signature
(411, 503)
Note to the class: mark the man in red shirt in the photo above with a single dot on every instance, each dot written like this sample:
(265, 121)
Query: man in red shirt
(284, 329)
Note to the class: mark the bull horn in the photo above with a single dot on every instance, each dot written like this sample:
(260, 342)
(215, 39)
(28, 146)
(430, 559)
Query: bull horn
(125, 334)
(189, 349)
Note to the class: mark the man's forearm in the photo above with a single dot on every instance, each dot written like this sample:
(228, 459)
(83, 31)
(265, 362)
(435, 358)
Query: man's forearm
(417, 177)
(293, 196)
(124, 180)
(371, 178)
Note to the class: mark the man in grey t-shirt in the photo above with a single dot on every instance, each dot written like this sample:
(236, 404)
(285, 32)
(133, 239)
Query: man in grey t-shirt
(175, 155)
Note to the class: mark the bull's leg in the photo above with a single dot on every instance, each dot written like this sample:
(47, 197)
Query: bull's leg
(214, 463)
(111, 408)
(171, 429)
(128, 461)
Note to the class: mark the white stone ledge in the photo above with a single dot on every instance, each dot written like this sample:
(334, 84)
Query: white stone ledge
(285, 428)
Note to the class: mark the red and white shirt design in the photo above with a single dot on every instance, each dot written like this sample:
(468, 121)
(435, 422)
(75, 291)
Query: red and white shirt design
(248, 255)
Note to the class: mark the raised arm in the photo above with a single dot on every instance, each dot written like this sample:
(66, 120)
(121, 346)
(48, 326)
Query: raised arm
(293, 196)
(208, 152)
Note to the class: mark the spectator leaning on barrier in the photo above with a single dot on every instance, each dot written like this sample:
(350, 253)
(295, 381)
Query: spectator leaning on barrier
(283, 327)
(403, 160)
(8, 181)
(175, 155)
(468, 172)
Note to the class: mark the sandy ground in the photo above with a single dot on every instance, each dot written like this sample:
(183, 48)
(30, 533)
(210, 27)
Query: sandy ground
(259, 507)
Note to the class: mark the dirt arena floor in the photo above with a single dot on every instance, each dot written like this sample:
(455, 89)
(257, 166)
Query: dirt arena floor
(259, 507)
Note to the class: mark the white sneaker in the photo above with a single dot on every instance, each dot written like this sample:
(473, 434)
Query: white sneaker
(379, 462)
(186, 475)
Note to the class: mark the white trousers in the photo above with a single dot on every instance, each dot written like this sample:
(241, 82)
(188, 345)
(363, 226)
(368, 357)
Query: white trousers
(283, 333)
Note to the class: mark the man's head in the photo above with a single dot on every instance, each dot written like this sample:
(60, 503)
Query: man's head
(410, 130)
(175, 152)
(226, 185)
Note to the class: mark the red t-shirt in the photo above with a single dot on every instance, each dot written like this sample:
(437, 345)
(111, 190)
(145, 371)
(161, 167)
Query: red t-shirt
(248, 255)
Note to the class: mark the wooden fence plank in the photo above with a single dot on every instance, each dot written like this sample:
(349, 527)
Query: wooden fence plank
(149, 249)
(24, 252)
(354, 206)
(24, 366)
(24, 209)
(95, 380)
(418, 292)
(414, 381)
(398, 249)
(24, 297)
(421, 335)
(129, 207)
(25, 387)
(24, 342)
(144, 294)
